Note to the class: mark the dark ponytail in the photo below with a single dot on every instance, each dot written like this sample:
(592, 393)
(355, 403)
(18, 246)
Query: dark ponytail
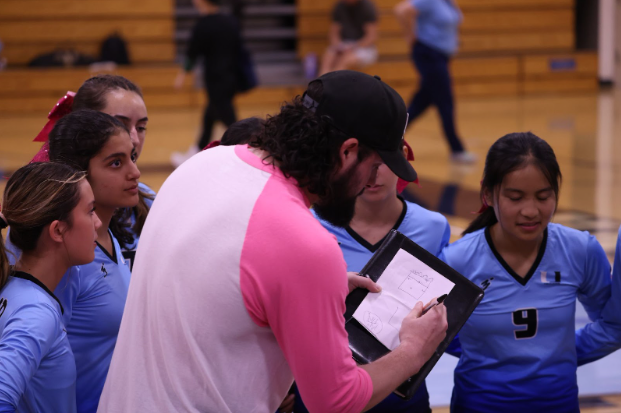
(507, 154)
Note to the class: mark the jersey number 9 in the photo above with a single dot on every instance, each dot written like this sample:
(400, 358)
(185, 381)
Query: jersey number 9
(525, 317)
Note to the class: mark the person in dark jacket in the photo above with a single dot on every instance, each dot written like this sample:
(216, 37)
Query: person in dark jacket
(216, 38)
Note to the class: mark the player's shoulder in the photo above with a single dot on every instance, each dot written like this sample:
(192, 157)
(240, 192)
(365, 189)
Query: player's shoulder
(472, 240)
(560, 236)
(24, 299)
(423, 216)
(463, 249)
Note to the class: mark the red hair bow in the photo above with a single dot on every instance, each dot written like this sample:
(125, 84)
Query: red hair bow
(62, 108)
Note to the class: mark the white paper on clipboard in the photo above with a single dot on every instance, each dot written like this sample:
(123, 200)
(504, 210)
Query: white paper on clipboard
(405, 281)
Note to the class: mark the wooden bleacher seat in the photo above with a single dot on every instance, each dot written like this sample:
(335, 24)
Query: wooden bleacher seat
(29, 28)
(27, 90)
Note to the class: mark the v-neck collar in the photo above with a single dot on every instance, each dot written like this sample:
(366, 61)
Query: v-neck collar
(374, 247)
(26, 276)
(521, 280)
(113, 256)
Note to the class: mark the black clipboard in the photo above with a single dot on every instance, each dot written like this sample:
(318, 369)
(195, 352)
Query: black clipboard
(460, 303)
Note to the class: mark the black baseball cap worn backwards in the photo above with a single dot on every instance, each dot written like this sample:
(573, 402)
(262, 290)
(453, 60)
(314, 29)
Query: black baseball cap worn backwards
(366, 108)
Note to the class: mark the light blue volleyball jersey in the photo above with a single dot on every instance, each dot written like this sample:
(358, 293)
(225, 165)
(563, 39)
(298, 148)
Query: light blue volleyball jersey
(94, 296)
(129, 251)
(37, 368)
(519, 346)
(428, 229)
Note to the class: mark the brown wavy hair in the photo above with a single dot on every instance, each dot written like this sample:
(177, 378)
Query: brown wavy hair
(36, 195)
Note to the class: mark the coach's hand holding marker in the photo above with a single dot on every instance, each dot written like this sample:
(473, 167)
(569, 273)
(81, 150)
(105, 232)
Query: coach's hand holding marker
(434, 303)
(356, 280)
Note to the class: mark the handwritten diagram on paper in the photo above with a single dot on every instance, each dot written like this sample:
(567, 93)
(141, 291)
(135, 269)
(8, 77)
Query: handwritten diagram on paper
(404, 282)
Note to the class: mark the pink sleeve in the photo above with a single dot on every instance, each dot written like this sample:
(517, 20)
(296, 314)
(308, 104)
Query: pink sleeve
(294, 280)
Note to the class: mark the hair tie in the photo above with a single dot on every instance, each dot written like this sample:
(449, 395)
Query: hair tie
(3, 222)
(483, 208)
(212, 144)
(484, 205)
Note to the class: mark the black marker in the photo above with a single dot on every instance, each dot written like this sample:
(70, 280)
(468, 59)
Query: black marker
(439, 300)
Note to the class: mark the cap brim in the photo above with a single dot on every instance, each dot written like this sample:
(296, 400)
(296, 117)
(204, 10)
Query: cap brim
(399, 165)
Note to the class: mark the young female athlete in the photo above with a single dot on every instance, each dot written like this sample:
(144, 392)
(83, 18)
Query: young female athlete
(121, 98)
(50, 208)
(519, 349)
(380, 209)
(100, 145)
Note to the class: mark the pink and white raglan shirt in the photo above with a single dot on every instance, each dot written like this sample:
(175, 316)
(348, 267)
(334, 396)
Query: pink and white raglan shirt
(236, 290)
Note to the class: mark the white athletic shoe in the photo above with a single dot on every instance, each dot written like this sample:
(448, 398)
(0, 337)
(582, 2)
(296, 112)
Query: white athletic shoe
(464, 157)
(177, 158)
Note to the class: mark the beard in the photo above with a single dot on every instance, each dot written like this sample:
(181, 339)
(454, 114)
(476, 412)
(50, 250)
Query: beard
(339, 205)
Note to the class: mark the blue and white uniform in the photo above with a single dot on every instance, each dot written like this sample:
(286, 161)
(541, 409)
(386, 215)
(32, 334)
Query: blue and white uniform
(129, 251)
(428, 229)
(519, 346)
(37, 368)
(94, 296)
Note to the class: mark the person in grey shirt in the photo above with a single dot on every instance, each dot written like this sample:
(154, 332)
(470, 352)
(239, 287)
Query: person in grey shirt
(353, 34)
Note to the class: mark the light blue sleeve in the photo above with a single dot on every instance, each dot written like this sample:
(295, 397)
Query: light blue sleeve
(26, 339)
(603, 335)
(446, 237)
(454, 348)
(423, 6)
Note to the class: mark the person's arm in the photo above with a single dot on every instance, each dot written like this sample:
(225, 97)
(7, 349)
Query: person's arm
(334, 35)
(603, 335)
(370, 35)
(420, 336)
(446, 238)
(25, 340)
(299, 292)
(406, 14)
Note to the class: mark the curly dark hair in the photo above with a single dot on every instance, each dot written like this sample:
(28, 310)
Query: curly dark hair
(305, 146)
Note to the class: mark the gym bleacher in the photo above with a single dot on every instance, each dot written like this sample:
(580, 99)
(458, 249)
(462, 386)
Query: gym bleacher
(508, 47)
